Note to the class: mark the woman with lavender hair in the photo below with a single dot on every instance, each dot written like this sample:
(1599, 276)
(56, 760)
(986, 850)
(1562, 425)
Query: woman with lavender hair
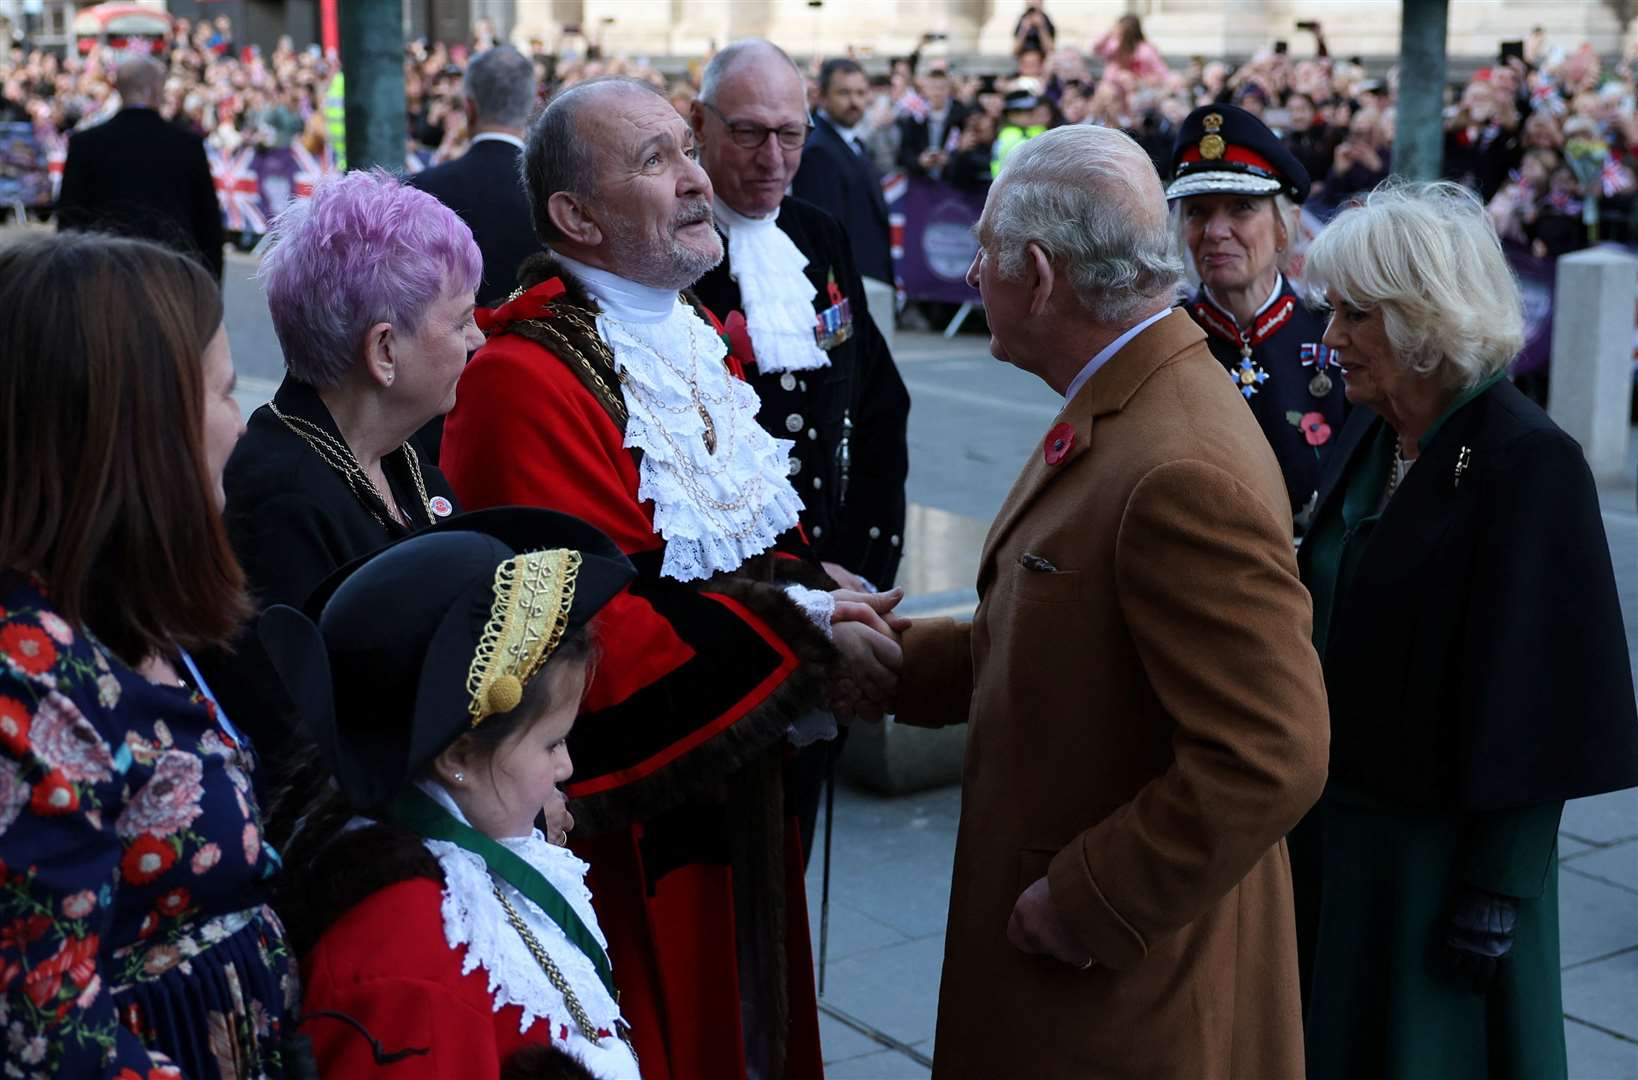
(370, 284)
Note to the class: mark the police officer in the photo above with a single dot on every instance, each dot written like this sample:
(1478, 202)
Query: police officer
(1237, 189)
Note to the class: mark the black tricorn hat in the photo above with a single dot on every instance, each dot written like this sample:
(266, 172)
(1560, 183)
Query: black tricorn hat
(401, 652)
(1224, 150)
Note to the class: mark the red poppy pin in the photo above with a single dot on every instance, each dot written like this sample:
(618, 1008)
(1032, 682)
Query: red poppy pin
(833, 290)
(1059, 442)
(440, 506)
(1313, 426)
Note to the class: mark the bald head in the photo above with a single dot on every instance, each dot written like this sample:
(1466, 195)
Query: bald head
(140, 81)
(559, 154)
(1089, 198)
(752, 60)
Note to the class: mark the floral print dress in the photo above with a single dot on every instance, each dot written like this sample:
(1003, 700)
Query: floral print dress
(134, 943)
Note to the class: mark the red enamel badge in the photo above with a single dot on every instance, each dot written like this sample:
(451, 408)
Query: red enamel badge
(441, 506)
(1059, 441)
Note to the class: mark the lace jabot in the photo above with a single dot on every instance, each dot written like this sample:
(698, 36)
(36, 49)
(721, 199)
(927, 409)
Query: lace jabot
(718, 481)
(475, 921)
(776, 295)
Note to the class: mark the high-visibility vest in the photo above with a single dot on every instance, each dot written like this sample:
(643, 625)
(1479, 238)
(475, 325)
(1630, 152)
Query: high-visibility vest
(1011, 138)
(335, 118)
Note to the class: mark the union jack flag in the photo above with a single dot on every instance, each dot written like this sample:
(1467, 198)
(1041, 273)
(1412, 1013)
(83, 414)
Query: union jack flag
(895, 235)
(56, 147)
(1615, 178)
(914, 106)
(310, 169)
(237, 189)
(1545, 95)
(895, 185)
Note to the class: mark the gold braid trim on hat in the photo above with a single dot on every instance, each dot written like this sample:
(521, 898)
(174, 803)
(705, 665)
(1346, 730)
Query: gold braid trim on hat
(533, 594)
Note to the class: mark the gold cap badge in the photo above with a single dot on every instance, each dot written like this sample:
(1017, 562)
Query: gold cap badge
(1212, 122)
(1211, 147)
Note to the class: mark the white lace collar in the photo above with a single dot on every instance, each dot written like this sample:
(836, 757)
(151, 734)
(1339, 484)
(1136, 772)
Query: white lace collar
(776, 295)
(714, 510)
(474, 920)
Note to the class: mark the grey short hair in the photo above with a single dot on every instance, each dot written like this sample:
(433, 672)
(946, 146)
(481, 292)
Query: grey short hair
(1428, 256)
(556, 158)
(730, 57)
(501, 84)
(1089, 197)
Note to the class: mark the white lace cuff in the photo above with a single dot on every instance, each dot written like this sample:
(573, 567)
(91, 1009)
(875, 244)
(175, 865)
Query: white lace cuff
(817, 605)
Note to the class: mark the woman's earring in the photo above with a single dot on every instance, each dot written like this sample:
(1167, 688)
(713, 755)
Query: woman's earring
(460, 778)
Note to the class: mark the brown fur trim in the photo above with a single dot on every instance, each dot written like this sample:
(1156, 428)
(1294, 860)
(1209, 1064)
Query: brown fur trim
(541, 1062)
(347, 870)
(701, 772)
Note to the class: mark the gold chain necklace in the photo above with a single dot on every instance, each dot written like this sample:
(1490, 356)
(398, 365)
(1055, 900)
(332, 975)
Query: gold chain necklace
(692, 379)
(339, 456)
(554, 974)
(596, 340)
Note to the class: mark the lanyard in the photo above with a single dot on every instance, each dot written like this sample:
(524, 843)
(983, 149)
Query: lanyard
(417, 812)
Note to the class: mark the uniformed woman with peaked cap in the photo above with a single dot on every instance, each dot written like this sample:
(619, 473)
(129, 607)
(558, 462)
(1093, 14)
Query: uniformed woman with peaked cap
(1236, 189)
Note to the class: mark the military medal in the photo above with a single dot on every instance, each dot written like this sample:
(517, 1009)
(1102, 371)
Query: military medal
(1318, 357)
(1248, 376)
(834, 325)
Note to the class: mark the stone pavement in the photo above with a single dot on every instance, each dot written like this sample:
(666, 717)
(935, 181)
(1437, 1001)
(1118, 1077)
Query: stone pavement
(892, 857)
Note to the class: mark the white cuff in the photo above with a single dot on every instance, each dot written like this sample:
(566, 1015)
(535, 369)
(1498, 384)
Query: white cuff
(819, 606)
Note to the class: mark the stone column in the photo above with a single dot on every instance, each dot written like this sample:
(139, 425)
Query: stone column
(372, 57)
(1419, 147)
(1591, 386)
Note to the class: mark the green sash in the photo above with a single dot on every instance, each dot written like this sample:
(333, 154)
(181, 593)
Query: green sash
(420, 814)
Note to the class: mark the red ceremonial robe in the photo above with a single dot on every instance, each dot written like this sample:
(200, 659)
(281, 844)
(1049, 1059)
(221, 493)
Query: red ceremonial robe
(678, 748)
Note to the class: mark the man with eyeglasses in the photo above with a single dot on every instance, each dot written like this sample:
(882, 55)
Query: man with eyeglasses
(837, 176)
(824, 374)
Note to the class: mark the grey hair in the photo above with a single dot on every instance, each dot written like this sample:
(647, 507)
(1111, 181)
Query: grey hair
(501, 84)
(1428, 256)
(556, 158)
(730, 57)
(1090, 198)
(1287, 218)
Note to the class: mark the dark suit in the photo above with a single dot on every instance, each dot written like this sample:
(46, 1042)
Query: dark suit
(841, 181)
(138, 175)
(916, 136)
(485, 188)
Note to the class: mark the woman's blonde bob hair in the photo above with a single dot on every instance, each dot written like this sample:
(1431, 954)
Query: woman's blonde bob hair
(1427, 255)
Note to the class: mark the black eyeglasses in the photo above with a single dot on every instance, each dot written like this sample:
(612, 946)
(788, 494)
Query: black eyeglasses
(749, 136)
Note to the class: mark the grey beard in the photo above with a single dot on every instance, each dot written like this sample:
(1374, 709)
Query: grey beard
(660, 266)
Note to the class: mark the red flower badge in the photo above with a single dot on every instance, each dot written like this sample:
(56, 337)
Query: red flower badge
(737, 336)
(1315, 429)
(1059, 442)
(534, 304)
(54, 795)
(146, 859)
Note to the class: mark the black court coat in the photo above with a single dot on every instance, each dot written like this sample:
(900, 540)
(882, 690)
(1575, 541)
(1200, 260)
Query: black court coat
(1286, 398)
(138, 175)
(1478, 660)
(484, 186)
(843, 183)
(293, 519)
(863, 528)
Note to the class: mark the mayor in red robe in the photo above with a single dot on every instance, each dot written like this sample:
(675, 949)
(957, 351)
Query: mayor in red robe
(605, 393)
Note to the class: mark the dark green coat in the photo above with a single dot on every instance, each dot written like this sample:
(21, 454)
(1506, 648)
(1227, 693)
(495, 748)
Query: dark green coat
(1477, 672)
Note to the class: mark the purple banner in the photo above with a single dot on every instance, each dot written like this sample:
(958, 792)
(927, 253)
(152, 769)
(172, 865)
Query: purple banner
(1535, 277)
(933, 243)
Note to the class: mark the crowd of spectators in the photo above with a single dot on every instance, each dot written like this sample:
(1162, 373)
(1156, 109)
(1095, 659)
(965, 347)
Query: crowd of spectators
(1540, 134)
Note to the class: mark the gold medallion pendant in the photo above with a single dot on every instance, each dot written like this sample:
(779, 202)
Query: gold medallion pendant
(710, 432)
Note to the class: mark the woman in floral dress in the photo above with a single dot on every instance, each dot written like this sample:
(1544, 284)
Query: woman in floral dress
(134, 942)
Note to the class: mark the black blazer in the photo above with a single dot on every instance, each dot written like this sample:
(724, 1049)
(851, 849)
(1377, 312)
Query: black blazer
(485, 187)
(137, 175)
(914, 135)
(842, 182)
(1478, 660)
(293, 519)
(861, 527)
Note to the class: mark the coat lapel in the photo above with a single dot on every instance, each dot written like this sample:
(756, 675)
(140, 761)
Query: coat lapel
(1106, 392)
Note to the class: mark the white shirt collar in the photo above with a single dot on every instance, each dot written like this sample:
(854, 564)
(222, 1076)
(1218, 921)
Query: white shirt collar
(849, 134)
(626, 300)
(728, 219)
(1108, 352)
(1279, 285)
(496, 136)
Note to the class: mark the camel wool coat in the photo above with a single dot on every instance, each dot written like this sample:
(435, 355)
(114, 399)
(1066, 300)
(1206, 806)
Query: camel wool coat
(1147, 720)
